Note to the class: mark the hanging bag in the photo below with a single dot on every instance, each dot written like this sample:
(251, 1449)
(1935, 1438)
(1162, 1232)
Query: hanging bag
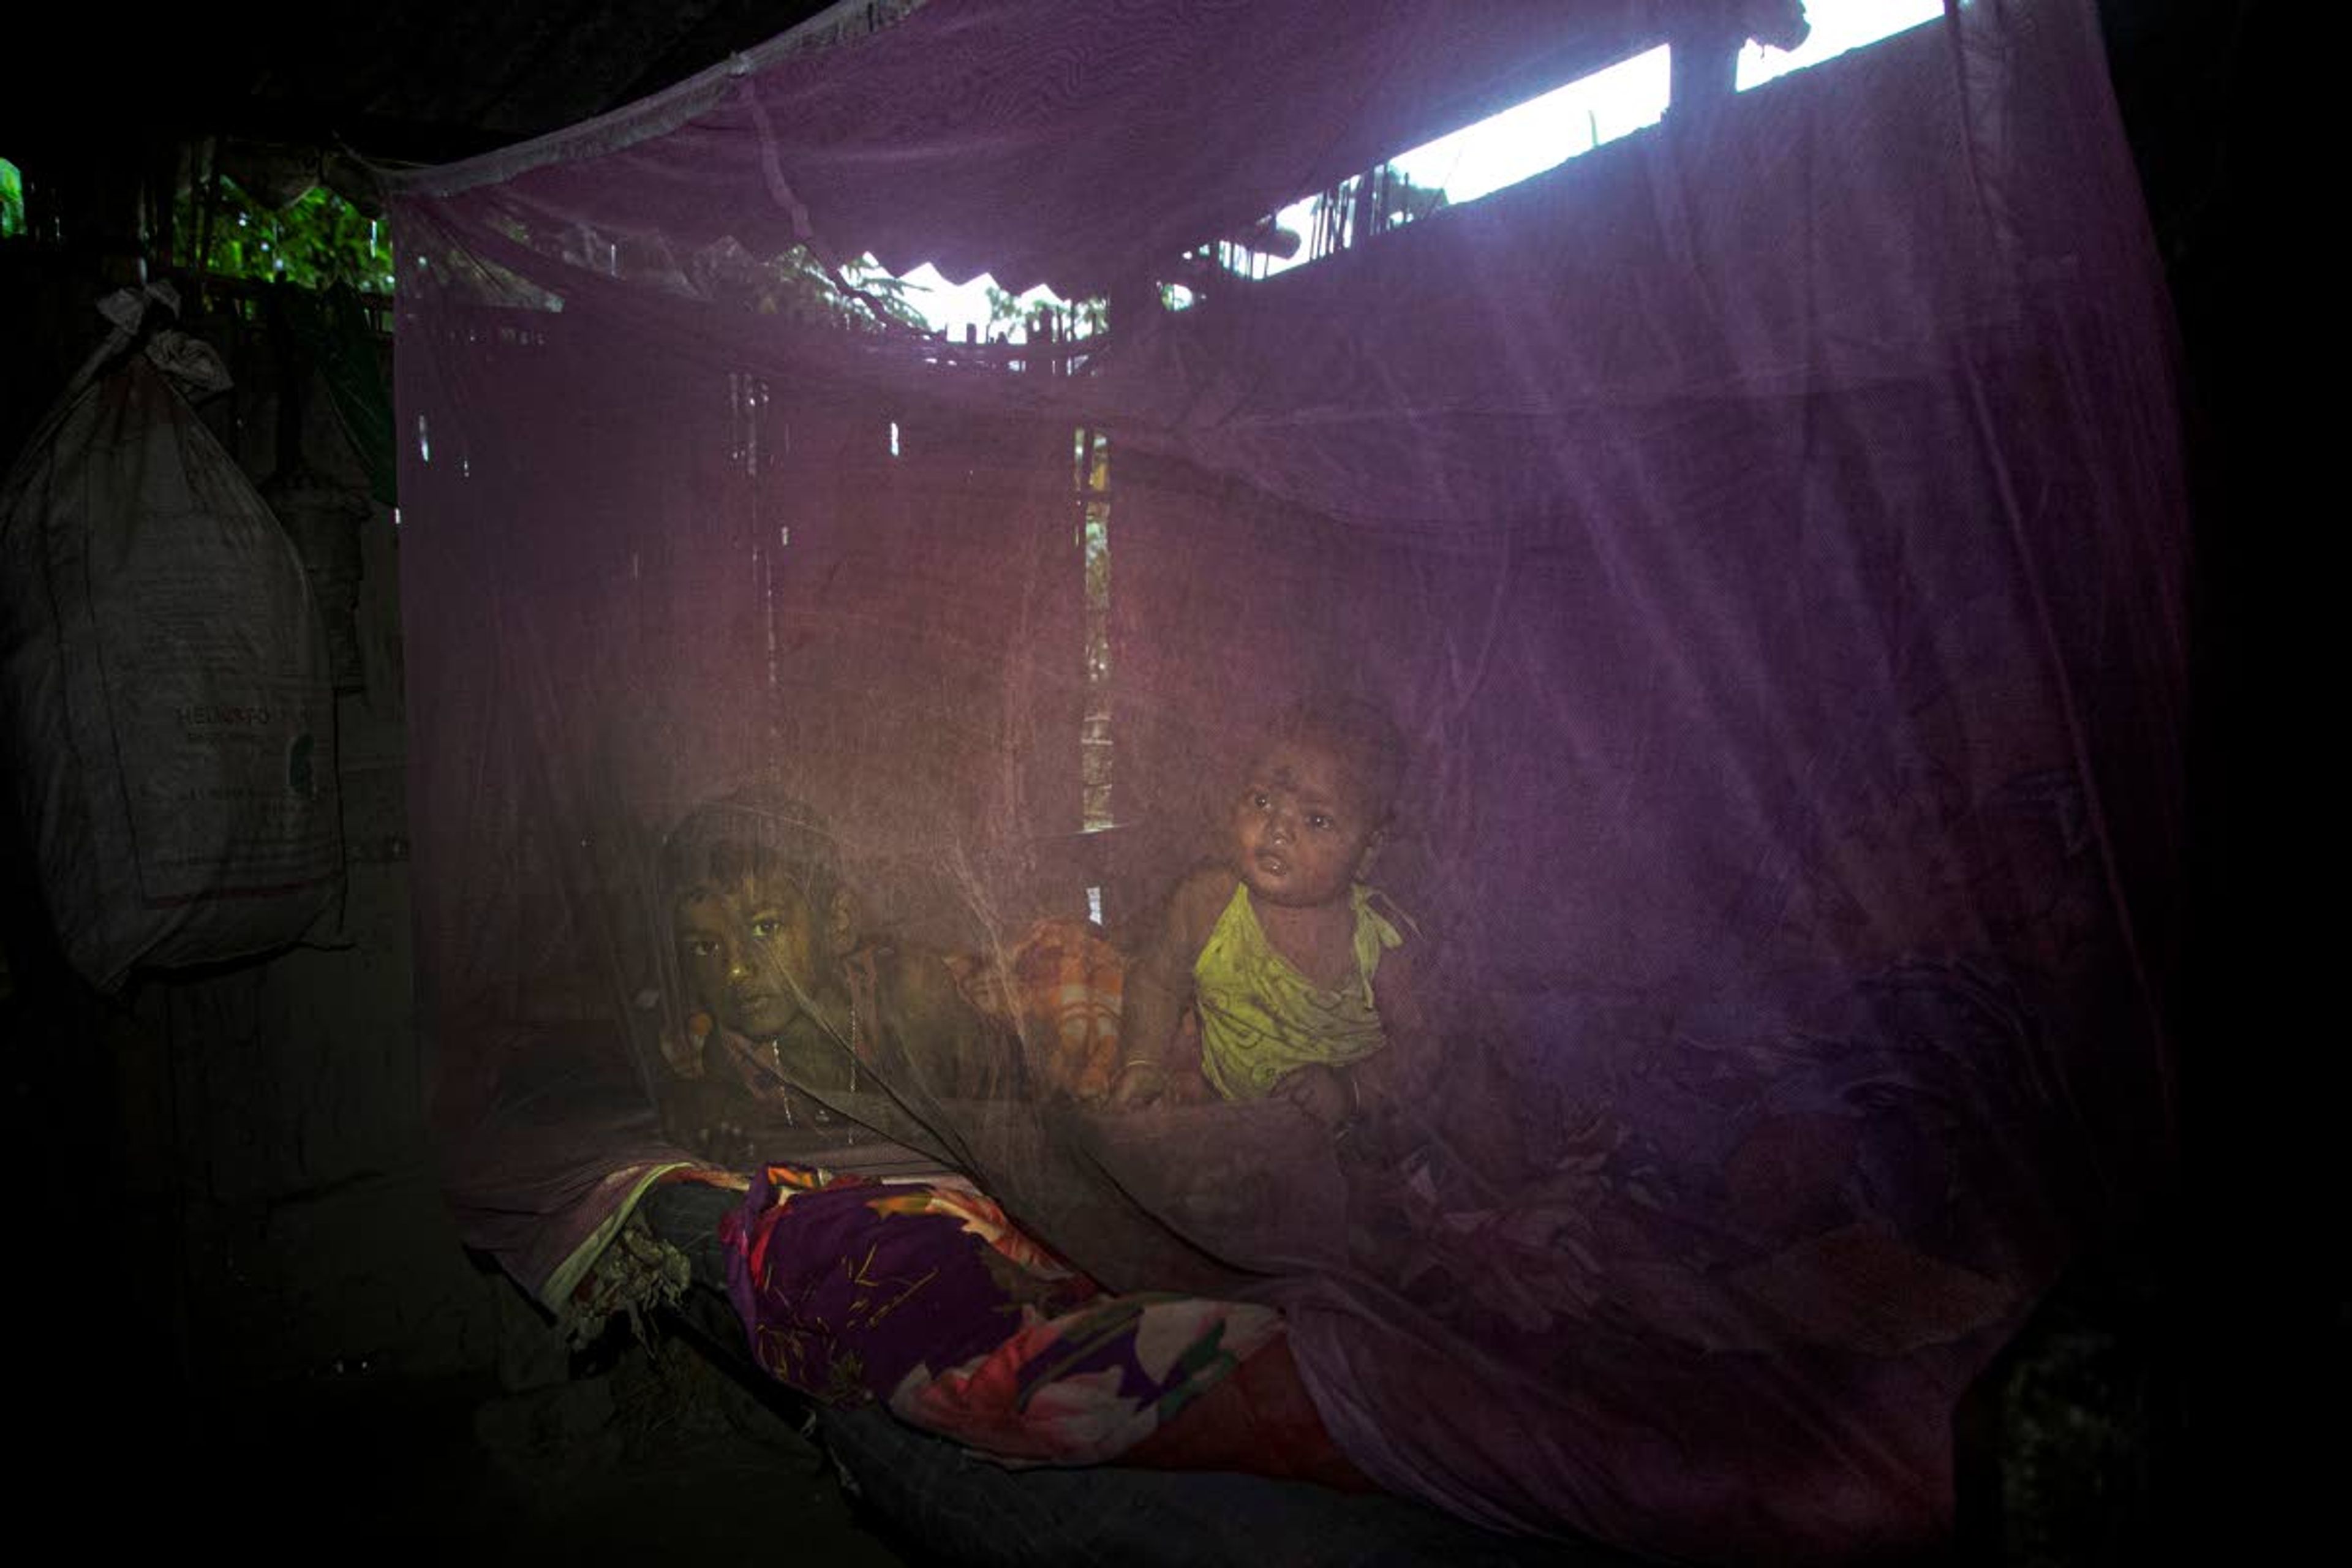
(163, 679)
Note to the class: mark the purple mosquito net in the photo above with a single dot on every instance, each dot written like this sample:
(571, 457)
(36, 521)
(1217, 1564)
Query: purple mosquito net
(1765, 532)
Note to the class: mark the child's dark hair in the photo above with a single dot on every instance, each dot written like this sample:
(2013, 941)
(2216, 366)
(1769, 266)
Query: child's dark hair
(752, 834)
(1360, 736)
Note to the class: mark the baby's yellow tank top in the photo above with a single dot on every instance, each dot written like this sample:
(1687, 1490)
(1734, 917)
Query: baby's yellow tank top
(1261, 1019)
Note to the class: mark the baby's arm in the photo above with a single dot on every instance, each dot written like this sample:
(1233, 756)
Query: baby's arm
(1329, 1094)
(1342, 1098)
(1159, 986)
(1404, 1070)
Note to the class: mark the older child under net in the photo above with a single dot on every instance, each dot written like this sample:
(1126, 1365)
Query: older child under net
(800, 1020)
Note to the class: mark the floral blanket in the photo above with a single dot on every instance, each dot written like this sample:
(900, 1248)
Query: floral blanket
(924, 1296)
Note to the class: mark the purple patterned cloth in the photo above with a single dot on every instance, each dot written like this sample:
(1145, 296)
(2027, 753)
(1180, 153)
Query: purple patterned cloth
(924, 1296)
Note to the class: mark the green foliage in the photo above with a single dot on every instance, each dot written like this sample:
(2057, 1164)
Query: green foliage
(319, 241)
(862, 296)
(12, 200)
(1072, 318)
(857, 297)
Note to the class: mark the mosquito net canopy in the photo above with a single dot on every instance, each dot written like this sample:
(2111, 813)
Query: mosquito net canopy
(1684, 652)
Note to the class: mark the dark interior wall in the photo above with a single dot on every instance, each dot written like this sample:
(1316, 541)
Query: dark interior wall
(2257, 1313)
(261, 1122)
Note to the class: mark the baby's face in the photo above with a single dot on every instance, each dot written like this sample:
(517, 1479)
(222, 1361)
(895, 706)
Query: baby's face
(750, 953)
(1299, 828)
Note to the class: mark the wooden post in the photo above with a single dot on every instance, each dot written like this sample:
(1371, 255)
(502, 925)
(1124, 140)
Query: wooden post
(1705, 68)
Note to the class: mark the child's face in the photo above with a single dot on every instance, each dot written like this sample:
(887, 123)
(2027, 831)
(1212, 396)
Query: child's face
(1300, 828)
(750, 953)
